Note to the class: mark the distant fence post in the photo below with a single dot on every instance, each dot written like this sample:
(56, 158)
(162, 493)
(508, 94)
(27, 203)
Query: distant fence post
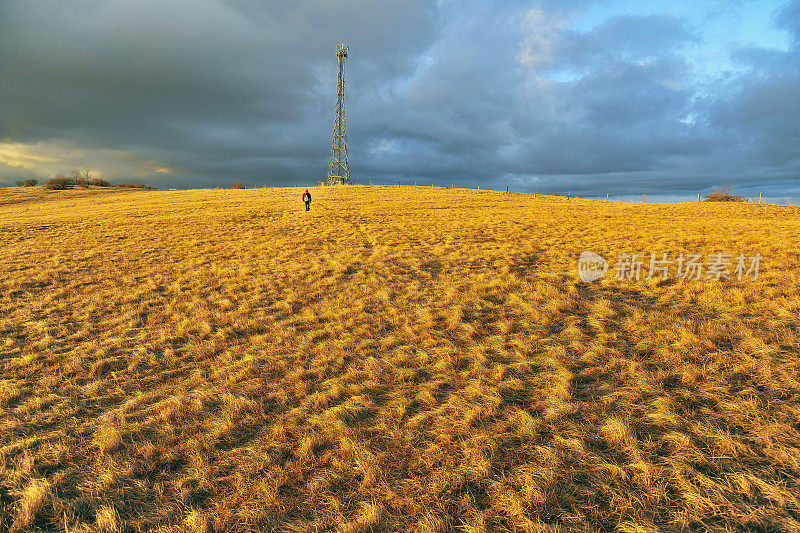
(644, 199)
(534, 192)
(698, 197)
(759, 197)
(606, 197)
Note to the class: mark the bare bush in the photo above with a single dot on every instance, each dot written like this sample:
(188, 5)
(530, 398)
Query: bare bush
(132, 185)
(722, 194)
(59, 183)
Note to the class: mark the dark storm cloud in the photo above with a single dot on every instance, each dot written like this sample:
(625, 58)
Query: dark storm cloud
(489, 93)
(622, 108)
(630, 114)
(203, 85)
(758, 112)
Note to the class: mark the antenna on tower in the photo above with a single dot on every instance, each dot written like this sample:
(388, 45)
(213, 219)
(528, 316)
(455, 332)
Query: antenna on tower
(338, 168)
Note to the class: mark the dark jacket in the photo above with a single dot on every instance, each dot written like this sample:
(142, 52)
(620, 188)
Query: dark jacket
(307, 197)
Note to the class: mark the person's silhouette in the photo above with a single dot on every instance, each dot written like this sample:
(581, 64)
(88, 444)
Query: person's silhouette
(307, 199)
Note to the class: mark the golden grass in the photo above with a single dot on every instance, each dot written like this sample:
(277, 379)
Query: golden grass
(396, 359)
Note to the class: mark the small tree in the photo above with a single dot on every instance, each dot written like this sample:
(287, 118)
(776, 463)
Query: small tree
(237, 185)
(80, 178)
(30, 182)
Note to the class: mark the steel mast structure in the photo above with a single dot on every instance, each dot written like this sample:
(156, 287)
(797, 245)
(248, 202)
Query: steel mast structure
(338, 168)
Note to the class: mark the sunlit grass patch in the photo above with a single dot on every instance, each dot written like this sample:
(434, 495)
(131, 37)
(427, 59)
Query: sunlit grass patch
(224, 361)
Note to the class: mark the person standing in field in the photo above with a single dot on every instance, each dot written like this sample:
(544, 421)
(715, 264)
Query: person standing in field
(307, 199)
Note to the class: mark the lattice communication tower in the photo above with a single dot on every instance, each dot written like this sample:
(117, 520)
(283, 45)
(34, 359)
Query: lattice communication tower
(338, 168)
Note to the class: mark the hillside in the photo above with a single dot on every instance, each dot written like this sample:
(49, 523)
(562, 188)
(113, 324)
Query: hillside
(396, 359)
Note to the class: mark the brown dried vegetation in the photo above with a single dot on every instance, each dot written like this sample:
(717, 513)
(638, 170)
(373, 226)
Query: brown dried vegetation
(722, 194)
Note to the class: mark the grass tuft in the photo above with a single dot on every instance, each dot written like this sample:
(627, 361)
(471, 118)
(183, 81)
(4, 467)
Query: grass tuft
(31, 503)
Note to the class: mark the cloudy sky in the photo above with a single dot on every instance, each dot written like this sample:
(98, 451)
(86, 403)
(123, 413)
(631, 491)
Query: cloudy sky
(667, 98)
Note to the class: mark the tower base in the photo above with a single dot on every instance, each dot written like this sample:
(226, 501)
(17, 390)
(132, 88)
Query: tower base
(337, 180)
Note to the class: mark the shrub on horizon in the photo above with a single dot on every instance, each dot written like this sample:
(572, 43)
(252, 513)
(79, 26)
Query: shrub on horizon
(132, 185)
(58, 183)
(99, 182)
(722, 194)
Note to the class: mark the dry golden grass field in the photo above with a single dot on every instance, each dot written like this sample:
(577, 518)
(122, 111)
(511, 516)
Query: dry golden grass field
(396, 359)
